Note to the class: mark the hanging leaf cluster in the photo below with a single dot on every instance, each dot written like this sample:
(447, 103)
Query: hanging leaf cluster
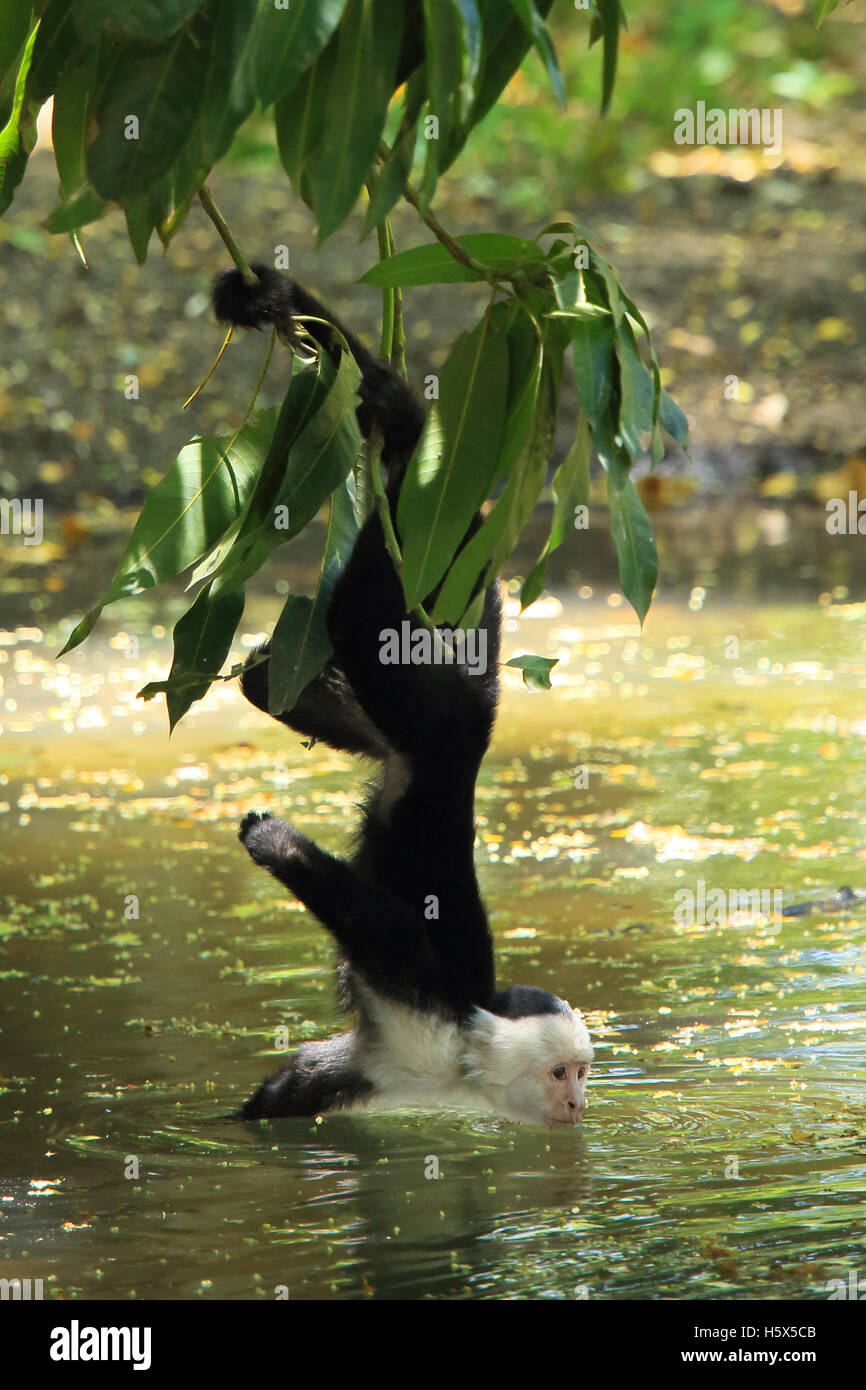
(381, 94)
(148, 97)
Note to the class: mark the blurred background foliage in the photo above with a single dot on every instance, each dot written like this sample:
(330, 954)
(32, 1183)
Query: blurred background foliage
(527, 154)
(751, 271)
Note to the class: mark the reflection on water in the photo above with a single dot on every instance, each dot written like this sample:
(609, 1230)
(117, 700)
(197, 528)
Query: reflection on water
(144, 964)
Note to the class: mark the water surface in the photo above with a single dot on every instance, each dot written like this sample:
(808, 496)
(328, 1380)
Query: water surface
(145, 964)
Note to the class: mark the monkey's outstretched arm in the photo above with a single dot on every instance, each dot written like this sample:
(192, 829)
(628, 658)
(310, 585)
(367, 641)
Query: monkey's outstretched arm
(387, 402)
(380, 935)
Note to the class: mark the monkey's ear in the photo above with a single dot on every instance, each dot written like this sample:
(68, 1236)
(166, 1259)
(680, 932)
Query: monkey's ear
(494, 1048)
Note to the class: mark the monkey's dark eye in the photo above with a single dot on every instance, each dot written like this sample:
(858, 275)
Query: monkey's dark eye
(559, 1073)
(581, 1073)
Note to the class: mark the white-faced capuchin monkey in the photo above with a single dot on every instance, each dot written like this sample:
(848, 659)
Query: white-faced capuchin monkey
(432, 1028)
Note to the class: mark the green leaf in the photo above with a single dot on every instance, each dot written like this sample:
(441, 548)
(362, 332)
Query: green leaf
(281, 45)
(392, 177)
(536, 670)
(84, 208)
(226, 101)
(59, 49)
(69, 122)
(537, 31)
(444, 484)
(581, 312)
(202, 641)
(609, 14)
(560, 226)
(18, 136)
(823, 8)
(14, 29)
(632, 535)
(186, 513)
(434, 265)
(524, 380)
(636, 391)
(611, 284)
(657, 448)
(443, 47)
(495, 539)
(359, 87)
(305, 393)
(163, 88)
(300, 646)
(592, 346)
(75, 100)
(570, 490)
(673, 420)
(181, 184)
(505, 44)
(296, 123)
(151, 21)
(142, 217)
(314, 450)
(472, 39)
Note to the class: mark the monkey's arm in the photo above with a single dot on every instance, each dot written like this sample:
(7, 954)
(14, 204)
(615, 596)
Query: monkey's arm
(381, 936)
(387, 402)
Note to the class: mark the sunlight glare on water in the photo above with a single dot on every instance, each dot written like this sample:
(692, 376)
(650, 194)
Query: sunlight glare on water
(145, 963)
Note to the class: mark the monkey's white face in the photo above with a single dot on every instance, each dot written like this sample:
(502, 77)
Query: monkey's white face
(555, 1095)
(532, 1068)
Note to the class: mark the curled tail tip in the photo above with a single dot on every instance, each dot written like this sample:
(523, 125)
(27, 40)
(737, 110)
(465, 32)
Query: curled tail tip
(267, 300)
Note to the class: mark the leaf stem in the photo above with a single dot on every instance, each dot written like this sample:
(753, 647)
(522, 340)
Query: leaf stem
(384, 241)
(398, 344)
(203, 383)
(430, 219)
(216, 217)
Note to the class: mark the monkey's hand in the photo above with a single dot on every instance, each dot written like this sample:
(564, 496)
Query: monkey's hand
(322, 882)
(270, 299)
(271, 842)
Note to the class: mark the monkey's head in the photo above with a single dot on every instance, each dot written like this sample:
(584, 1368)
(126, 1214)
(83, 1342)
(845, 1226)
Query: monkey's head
(531, 1057)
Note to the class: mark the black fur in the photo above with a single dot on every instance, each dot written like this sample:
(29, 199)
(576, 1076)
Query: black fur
(522, 1001)
(275, 301)
(429, 725)
(322, 1076)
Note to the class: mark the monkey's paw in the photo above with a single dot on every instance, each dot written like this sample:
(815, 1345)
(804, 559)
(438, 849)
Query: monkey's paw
(250, 821)
(270, 841)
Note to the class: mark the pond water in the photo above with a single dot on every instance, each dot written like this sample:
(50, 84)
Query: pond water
(145, 964)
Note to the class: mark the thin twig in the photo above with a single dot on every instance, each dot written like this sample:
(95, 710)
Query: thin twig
(384, 244)
(203, 383)
(398, 342)
(216, 217)
(430, 219)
